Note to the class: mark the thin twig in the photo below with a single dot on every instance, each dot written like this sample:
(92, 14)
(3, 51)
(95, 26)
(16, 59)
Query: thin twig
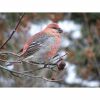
(32, 71)
(61, 56)
(30, 62)
(29, 71)
(28, 75)
(13, 31)
(42, 63)
(54, 64)
(9, 53)
(3, 60)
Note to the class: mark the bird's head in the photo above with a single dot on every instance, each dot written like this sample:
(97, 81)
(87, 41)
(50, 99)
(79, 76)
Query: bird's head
(54, 27)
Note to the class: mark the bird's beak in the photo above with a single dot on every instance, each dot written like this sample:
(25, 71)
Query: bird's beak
(60, 30)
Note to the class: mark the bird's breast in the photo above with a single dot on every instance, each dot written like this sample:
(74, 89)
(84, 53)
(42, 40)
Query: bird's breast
(53, 49)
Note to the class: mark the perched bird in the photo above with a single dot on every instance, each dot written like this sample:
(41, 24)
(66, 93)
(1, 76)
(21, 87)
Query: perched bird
(43, 46)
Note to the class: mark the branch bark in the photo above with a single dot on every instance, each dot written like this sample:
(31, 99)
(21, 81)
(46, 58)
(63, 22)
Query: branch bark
(28, 75)
(12, 31)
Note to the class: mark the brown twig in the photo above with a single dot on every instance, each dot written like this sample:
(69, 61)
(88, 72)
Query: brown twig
(62, 56)
(9, 53)
(32, 71)
(30, 62)
(13, 31)
(54, 64)
(3, 60)
(42, 63)
(28, 75)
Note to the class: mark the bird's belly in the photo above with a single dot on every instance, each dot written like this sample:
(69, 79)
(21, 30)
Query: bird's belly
(39, 56)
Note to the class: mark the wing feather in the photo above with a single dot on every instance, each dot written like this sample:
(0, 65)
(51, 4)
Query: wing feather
(35, 45)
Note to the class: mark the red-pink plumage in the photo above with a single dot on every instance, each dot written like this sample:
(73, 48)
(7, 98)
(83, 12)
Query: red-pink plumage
(44, 45)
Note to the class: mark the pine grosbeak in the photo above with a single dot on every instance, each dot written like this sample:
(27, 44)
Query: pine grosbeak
(42, 46)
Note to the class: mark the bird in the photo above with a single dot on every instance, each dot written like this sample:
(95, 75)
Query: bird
(42, 46)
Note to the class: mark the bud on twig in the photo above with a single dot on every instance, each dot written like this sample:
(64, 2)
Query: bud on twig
(61, 65)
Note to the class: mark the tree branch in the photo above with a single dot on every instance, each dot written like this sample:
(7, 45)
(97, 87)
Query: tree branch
(28, 75)
(13, 31)
(32, 71)
(9, 53)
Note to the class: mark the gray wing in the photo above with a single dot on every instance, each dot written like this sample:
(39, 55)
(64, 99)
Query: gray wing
(36, 45)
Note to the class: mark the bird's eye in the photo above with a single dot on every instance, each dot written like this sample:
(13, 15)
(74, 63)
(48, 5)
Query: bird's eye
(58, 29)
(54, 28)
